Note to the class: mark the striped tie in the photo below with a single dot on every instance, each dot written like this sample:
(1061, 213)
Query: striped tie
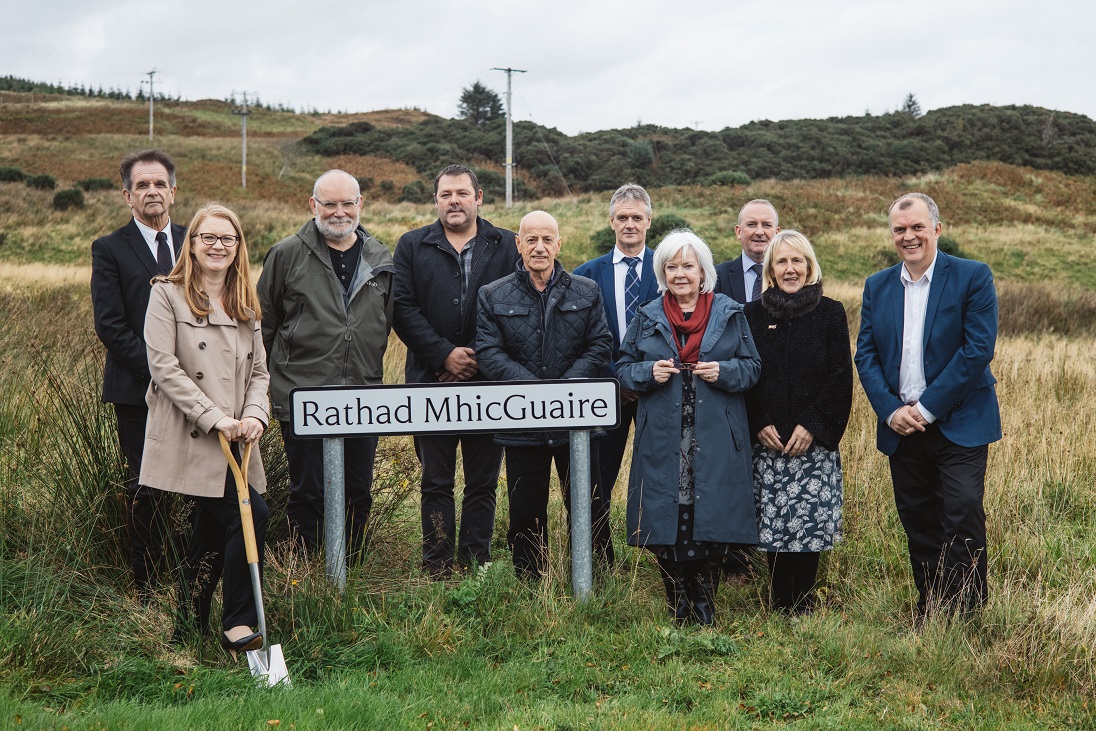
(756, 294)
(631, 289)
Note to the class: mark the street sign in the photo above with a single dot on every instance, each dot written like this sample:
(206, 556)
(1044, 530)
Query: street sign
(440, 408)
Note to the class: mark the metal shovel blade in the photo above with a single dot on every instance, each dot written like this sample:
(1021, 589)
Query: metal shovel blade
(268, 664)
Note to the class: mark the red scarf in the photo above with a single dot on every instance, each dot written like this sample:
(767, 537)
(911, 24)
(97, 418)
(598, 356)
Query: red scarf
(693, 328)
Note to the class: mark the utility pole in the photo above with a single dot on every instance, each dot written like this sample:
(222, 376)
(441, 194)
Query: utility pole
(150, 95)
(509, 137)
(242, 110)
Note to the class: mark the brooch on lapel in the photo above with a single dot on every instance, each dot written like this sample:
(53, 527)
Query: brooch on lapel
(772, 327)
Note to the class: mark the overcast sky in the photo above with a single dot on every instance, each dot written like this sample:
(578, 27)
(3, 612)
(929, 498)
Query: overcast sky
(591, 65)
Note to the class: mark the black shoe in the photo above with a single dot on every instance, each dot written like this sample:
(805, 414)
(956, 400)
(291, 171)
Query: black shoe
(252, 641)
(700, 588)
(676, 601)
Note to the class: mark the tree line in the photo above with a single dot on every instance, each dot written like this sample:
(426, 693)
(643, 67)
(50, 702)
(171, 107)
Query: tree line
(903, 142)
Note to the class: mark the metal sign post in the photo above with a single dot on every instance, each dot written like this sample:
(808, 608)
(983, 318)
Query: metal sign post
(582, 558)
(575, 405)
(334, 511)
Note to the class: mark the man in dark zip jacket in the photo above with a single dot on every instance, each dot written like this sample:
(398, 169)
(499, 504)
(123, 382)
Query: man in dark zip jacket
(326, 295)
(539, 323)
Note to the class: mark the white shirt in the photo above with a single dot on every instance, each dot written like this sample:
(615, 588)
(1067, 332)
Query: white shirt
(150, 238)
(620, 271)
(911, 372)
(748, 277)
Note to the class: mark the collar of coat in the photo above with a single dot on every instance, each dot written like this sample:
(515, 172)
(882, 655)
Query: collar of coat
(783, 306)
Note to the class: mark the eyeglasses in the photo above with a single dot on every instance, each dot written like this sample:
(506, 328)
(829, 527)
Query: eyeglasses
(228, 240)
(332, 206)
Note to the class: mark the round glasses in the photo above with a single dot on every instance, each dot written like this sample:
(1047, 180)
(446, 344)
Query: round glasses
(227, 241)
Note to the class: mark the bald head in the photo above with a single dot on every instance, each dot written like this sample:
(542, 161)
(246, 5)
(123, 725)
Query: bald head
(538, 244)
(339, 178)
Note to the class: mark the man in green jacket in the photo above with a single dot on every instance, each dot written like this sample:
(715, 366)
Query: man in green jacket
(326, 294)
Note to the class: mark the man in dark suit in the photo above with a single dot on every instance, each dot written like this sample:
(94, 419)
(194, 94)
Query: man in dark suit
(439, 271)
(123, 264)
(928, 327)
(627, 280)
(740, 279)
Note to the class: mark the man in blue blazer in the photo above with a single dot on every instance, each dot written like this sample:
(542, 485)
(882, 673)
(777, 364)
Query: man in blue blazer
(928, 327)
(123, 264)
(627, 281)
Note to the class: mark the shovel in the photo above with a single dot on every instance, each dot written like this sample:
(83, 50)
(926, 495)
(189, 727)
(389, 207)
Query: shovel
(267, 662)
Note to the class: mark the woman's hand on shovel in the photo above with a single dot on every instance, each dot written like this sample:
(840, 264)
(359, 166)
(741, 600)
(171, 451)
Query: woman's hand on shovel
(248, 429)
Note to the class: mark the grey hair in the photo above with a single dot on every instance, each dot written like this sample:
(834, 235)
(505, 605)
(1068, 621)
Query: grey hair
(799, 243)
(125, 170)
(907, 200)
(316, 185)
(675, 242)
(762, 201)
(630, 193)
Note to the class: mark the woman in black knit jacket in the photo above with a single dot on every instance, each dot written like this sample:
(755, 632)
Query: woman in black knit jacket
(798, 412)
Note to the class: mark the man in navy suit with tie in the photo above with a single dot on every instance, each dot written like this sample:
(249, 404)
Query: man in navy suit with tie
(627, 280)
(740, 279)
(928, 327)
(123, 264)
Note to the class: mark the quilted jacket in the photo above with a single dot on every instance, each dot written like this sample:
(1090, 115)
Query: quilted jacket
(523, 335)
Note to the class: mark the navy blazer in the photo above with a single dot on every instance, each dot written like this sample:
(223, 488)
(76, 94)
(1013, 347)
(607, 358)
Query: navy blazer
(122, 268)
(960, 336)
(728, 280)
(601, 271)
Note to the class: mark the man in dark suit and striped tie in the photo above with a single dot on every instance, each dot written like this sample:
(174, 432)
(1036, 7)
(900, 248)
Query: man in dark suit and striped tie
(627, 280)
(123, 264)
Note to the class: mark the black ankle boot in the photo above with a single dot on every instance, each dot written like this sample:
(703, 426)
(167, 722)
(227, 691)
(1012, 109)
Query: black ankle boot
(700, 589)
(674, 581)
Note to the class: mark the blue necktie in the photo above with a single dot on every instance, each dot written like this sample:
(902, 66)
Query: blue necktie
(756, 269)
(631, 289)
(163, 254)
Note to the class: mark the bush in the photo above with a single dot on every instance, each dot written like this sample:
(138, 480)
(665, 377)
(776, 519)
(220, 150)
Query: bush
(41, 182)
(727, 177)
(9, 174)
(415, 192)
(950, 246)
(66, 199)
(387, 186)
(90, 184)
(365, 183)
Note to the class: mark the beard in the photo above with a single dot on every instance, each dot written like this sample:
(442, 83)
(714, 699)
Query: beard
(337, 228)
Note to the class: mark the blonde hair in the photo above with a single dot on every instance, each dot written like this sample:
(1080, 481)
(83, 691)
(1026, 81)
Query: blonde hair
(800, 244)
(239, 293)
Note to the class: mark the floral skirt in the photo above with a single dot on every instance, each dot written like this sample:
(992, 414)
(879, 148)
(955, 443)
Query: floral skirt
(798, 499)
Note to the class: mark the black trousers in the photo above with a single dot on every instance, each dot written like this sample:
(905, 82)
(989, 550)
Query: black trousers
(938, 490)
(528, 474)
(792, 578)
(610, 448)
(482, 462)
(304, 508)
(217, 551)
(146, 507)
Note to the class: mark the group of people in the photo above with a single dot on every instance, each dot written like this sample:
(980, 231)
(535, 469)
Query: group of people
(745, 366)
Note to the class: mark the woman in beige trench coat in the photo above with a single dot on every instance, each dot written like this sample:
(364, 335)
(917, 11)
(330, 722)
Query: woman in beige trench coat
(205, 353)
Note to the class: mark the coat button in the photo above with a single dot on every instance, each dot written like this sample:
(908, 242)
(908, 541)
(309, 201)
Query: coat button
(201, 346)
(200, 375)
(200, 320)
(249, 356)
(456, 301)
(194, 434)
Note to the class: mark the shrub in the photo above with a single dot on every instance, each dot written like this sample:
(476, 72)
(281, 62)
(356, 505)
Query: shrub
(66, 199)
(950, 246)
(41, 182)
(387, 186)
(365, 183)
(90, 184)
(415, 192)
(727, 177)
(9, 174)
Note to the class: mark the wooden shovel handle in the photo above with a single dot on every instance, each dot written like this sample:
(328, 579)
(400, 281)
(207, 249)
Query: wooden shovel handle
(239, 471)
